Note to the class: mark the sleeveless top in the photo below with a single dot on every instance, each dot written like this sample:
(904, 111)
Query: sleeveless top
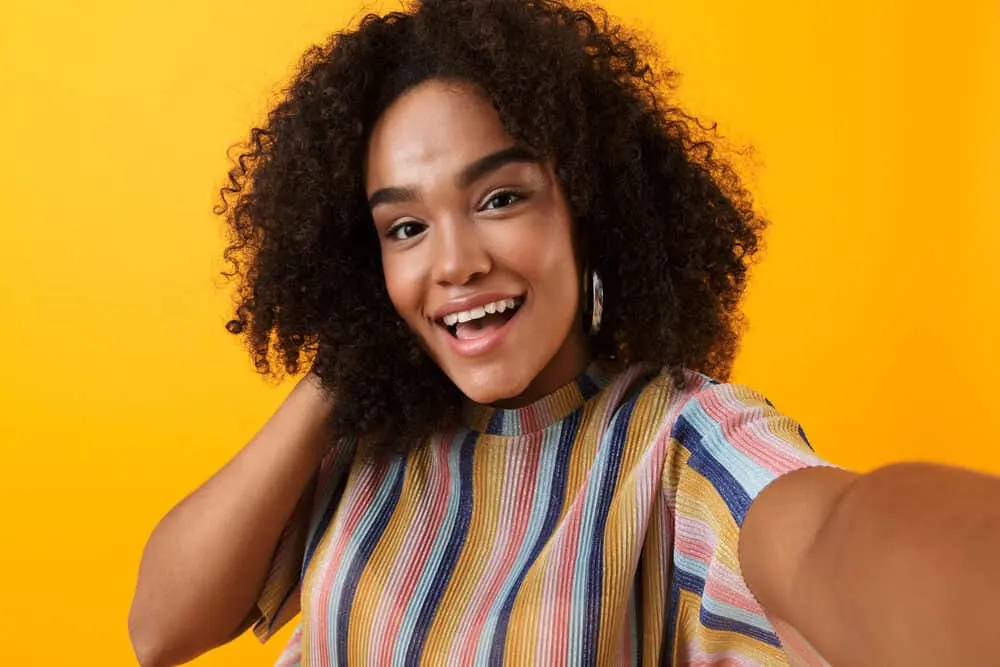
(597, 526)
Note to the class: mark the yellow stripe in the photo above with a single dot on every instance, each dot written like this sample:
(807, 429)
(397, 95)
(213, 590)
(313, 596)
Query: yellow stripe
(690, 630)
(283, 576)
(312, 572)
(624, 537)
(489, 457)
(377, 568)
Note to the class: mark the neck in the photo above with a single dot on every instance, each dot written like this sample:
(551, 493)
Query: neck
(568, 363)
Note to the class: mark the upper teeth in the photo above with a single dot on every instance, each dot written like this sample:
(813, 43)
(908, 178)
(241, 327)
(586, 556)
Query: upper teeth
(481, 311)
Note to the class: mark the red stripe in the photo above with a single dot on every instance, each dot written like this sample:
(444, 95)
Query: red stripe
(365, 491)
(440, 481)
(523, 488)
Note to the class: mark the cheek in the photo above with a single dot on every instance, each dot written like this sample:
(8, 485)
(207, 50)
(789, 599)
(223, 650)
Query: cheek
(403, 288)
(550, 260)
(567, 284)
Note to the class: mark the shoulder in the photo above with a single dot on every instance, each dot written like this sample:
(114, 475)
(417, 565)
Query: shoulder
(702, 407)
(729, 442)
(694, 404)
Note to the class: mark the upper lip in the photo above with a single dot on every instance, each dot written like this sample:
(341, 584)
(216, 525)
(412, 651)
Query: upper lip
(470, 302)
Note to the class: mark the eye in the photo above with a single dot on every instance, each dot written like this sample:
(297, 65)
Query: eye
(502, 199)
(405, 230)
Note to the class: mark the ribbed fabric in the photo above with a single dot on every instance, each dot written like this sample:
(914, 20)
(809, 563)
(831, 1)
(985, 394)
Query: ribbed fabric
(598, 525)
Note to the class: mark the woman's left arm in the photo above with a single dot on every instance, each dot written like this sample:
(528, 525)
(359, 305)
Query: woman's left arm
(900, 566)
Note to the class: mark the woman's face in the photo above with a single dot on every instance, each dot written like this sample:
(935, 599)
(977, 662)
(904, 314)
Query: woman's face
(477, 245)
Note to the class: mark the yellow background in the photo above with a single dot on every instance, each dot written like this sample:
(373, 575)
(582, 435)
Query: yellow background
(873, 319)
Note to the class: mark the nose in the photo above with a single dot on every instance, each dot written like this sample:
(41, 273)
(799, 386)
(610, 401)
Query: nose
(459, 254)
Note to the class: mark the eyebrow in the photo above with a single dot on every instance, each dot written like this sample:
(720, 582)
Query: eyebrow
(468, 175)
(394, 195)
(494, 161)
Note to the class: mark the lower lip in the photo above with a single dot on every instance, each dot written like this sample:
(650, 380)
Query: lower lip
(475, 347)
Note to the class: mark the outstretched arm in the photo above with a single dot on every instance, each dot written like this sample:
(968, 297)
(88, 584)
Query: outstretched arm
(900, 566)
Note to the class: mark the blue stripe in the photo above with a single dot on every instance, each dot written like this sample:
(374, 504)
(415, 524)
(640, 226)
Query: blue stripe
(377, 517)
(738, 477)
(437, 551)
(802, 434)
(607, 487)
(451, 553)
(723, 610)
(670, 635)
(682, 579)
(551, 484)
(316, 531)
(702, 460)
(693, 566)
(689, 581)
(695, 573)
(496, 423)
(713, 622)
(590, 386)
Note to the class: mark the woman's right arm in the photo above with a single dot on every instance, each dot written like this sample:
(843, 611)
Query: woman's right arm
(208, 558)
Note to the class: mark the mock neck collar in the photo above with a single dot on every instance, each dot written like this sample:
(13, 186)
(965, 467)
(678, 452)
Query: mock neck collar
(539, 414)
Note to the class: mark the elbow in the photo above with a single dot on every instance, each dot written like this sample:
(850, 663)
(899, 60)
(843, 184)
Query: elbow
(159, 643)
(148, 648)
(150, 643)
(147, 652)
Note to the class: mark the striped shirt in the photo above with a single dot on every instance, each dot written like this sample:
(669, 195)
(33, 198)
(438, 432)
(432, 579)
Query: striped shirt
(598, 525)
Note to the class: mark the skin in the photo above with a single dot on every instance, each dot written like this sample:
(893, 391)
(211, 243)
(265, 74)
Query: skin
(462, 211)
(895, 567)
(817, 543)
(205, 563)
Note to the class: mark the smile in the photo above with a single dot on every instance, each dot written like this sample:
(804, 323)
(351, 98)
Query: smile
(479, 329)
(481, 312)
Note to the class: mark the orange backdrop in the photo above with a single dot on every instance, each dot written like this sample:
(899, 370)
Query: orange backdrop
(873, 318)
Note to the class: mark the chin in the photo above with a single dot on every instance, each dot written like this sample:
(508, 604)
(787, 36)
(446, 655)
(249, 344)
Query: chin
(487, 386)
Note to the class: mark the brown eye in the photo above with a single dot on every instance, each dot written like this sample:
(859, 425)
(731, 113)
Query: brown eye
(502, 199)
(406, 229)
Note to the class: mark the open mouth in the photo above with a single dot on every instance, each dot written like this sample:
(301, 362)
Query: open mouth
(482, 320)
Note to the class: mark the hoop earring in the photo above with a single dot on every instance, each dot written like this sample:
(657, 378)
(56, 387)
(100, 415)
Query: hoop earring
(593, 291)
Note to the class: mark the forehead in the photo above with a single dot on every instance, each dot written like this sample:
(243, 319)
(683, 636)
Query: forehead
(432, 130)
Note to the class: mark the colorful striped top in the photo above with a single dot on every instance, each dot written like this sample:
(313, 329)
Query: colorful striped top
(598, 525)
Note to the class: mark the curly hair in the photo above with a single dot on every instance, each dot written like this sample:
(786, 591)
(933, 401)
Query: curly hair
(662, 217)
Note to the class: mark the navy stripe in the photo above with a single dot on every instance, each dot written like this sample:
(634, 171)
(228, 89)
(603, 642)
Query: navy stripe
(695, 584)
(324, 522)
(454, 547)
(364, 552)
(670, 631)
(802, 434)
(313, 538)
(732, 492)
(560, 476)
(495, 427)
(609, 481)
(588, 387)
(710, 620)
(689, 582)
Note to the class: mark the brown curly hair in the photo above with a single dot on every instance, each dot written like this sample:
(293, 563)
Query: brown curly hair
(660, 215)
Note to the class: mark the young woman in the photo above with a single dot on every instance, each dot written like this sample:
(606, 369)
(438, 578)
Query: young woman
(514, 269)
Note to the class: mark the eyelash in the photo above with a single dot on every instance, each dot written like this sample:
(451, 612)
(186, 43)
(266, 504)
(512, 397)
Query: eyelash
(393, 231)
(514, 194)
